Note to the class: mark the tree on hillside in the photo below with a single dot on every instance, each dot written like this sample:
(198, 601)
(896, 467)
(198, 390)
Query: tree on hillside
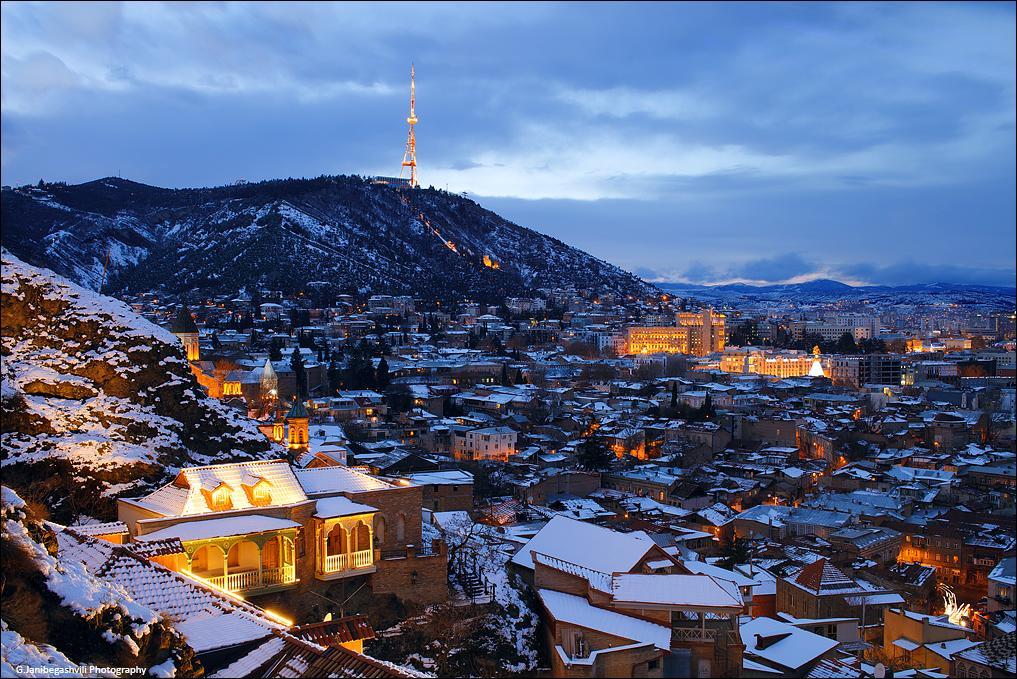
(594, 455)
(275, 351)
(381, 376)
(299, 372)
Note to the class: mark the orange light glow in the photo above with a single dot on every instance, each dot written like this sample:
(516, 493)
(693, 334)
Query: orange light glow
(490, 263)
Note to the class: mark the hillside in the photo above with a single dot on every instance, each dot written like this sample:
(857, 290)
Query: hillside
(346, 232)
(58, 616)
(97, 401)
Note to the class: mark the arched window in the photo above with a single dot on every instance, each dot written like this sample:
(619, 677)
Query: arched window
(379, 529)
(361, 537)
(337, 542)
(401, 528)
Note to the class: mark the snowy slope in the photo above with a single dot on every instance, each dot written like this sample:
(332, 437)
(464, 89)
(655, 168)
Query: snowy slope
(346, 231)
(89, 388)
(84, 618)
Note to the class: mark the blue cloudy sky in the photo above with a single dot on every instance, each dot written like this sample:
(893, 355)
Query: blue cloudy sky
(687, 142)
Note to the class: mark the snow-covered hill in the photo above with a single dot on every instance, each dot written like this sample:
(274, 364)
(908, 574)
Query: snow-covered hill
(348, 232)
(97, 400)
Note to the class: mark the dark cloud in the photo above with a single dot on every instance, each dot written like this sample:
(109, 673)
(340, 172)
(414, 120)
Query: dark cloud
(772, 269)
(908, 272)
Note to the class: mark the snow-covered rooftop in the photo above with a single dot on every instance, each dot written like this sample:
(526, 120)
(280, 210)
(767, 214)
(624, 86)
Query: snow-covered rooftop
(576, 610)
(219, 528)
(332, 480)
(571, 540)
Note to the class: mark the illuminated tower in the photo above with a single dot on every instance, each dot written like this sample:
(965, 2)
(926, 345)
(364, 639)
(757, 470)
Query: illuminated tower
(817, 365)
(297, 424)
(410, 157)
(184, 328)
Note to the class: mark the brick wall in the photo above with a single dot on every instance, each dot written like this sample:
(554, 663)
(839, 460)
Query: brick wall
(443, 497)
(391, 503)
(422, 579)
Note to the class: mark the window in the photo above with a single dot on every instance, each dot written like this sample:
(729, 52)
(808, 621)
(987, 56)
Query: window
(221, 498)
(261, 494)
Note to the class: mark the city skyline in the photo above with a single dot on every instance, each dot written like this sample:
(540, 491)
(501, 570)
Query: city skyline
(763, 144)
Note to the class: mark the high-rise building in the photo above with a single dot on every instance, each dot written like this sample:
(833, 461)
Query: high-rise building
(706, 331)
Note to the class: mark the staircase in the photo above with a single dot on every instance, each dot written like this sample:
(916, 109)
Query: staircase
(474, 586)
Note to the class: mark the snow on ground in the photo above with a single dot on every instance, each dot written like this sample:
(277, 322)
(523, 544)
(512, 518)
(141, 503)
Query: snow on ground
(17, 653)
(77, 589)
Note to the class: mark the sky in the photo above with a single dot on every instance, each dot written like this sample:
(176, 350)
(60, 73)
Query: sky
(700, 143)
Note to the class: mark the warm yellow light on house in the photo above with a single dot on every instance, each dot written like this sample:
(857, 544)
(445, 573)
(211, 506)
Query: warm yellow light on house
(278, 618)
(490, 263)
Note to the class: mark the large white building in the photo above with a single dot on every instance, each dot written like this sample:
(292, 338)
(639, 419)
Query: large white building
(831, 328)
(488, 443)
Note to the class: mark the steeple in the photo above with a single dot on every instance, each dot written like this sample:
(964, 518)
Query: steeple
(297, 421)
(184, 328)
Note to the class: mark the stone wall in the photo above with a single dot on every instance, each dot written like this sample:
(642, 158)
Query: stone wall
(417, 578)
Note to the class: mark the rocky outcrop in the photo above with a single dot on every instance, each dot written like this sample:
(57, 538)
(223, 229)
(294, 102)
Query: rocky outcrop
(97, 401)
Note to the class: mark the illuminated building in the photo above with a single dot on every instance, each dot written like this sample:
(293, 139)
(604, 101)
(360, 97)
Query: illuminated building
(781, 364)
(657, 340)
(706, 331)
(833, 327)
(857, 371)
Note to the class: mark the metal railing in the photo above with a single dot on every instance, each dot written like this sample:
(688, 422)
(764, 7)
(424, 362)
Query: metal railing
(349, 561)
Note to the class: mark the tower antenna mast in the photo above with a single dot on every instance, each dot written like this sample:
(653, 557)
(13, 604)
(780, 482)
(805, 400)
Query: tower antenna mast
(410, 156)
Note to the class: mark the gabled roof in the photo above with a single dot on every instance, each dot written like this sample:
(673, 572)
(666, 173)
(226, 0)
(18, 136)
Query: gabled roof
(822, 577)
(208, 618)
(576, 610)
(296, 656)
(998, 653)
(782, 644)
(184, 496)
(587, 545)
(335, 480)
(675, 590)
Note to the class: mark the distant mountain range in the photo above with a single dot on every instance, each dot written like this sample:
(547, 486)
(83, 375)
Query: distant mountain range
(824, 290)
(348, 232)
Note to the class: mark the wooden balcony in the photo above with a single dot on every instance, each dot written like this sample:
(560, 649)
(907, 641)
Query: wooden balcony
(346, 565)
(251, 580)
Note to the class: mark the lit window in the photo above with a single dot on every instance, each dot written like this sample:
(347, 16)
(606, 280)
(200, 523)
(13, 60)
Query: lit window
(261, 494)
(221, 498)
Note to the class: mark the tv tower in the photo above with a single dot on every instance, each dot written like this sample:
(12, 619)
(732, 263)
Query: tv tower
(410, 157)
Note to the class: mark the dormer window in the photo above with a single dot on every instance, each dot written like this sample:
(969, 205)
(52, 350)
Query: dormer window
(221, 499)
(261, 494)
